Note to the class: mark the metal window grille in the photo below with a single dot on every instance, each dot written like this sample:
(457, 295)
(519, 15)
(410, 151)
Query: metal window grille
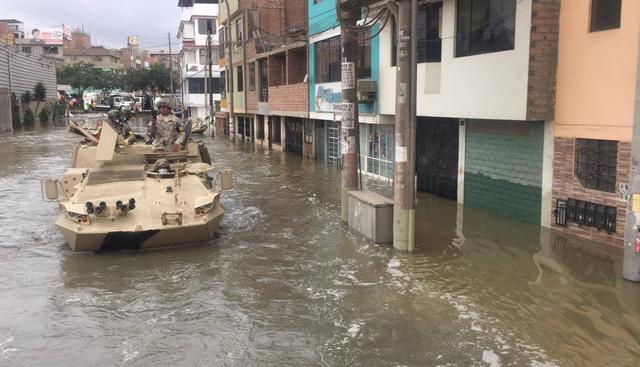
(596, 164)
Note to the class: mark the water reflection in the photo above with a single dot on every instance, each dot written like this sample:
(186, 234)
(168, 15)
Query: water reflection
(287, 284)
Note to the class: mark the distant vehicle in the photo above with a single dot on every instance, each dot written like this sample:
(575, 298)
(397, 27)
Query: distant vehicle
(121, 102)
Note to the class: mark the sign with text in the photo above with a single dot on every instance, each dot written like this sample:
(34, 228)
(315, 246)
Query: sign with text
(348, 75)
(48, 36)
(327, 95)
(346, 110)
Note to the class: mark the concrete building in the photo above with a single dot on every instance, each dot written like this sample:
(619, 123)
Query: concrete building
(274, 72)
(597, 72)
(486, 79)
(79, 49)
(325, 91)
(199, 19)
(49, 47)
(11, 30)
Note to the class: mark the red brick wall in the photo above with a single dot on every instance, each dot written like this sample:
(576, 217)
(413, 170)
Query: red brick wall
(566, 185)
(543, 59)
(277, 69)
(296, 65)
(294, 97)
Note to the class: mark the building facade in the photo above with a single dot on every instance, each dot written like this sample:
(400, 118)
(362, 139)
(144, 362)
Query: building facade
(265, 55)
(199, 21)
(596, 91)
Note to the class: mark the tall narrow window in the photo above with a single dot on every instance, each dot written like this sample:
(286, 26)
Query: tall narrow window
(328, 63)
(596, 164)
(206, 25)
(605, 14)
(252, 77)
(364, 58)
(239, 32)
(485, 26)
(429, 39)
(394, 41)
(240, 79)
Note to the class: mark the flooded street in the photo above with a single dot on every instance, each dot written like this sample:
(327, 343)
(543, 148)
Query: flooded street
(287, 284)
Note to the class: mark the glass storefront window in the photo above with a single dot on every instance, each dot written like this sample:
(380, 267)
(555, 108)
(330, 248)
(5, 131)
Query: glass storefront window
(377, 150)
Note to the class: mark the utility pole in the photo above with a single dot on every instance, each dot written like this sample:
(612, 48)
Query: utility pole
(206, 77)
(404, 179)
(228, 38)
(349, 15)
(210, 82)
(171, 70)
(631, 262)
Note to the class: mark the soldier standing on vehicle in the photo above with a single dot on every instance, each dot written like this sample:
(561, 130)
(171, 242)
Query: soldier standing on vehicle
(121, 127)
(166, 132)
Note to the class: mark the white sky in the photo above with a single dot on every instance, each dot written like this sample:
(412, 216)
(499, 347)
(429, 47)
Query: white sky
(108, 21)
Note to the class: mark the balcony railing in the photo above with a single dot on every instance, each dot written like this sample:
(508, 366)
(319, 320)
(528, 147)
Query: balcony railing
(264, 95)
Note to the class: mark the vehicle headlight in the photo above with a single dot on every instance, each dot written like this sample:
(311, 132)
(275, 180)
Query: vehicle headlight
(78, 217)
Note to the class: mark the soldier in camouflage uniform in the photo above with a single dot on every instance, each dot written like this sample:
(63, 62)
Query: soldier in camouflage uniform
(121, 127)
(166, 130)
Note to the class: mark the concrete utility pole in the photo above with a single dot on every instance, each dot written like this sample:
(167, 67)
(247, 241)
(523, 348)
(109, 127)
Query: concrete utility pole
(206, 77)
(349, 107)
(212, 109)
(631, 263)
(404, 179)
(229, 72)
(171, 69)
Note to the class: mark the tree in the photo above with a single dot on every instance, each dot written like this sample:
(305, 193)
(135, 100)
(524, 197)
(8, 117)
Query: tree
(26, 98)
(15, 111)
(39, 95)
(29, 118)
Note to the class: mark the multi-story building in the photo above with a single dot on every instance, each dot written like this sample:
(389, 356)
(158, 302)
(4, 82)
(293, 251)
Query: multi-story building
(325, 91)
(11, 30)
(197, 23)
(596, 91)
(46, 44)
(485, 91)
(99, 56)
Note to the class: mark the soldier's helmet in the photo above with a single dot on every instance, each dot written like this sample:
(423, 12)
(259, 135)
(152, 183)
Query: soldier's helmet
(164, 103)
(113, 114)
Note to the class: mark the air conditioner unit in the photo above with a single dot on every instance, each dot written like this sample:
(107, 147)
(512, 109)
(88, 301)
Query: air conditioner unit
(367, 90)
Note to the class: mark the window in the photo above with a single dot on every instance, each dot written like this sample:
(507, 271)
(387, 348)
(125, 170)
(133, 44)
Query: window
(260, 128)
(252, 76)
(206, 25)
(605, 14)
(223, 44)
(308, 131)
(429, 37)
(327, 58)
(485, 26)
(263, 79)
(364, 59)
(216, 85)
(240, 79)
(53, 50)
(223, 84)
(394, 41)
(377, 147)
(277, 131)
(239, 32)
(202, 56)
(196, 85)
(27, 49)
(596, 164)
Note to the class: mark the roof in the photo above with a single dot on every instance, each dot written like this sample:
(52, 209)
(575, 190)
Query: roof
(93, 51)
(10, 21)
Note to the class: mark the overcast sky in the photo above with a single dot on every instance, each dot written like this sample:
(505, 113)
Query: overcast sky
(108, 21)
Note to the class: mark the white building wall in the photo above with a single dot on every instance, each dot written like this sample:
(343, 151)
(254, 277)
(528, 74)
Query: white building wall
(486, 86)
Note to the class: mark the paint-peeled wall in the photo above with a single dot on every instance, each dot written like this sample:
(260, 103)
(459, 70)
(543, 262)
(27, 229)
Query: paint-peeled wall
(503, 168)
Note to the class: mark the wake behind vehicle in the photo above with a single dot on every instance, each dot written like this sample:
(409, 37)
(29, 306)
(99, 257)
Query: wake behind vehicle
(128, 197)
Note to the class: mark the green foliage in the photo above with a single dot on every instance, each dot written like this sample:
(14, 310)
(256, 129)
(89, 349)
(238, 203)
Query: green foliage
(86, 76)
(26, 98)
(59, 110)
(44, 115)
(15, 112)
(29, 118)
(39, 94)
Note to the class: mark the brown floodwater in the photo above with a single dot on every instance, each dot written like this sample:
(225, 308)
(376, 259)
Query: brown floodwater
(287, 284)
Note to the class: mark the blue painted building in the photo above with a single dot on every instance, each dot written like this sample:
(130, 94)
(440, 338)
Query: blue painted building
(325, 63)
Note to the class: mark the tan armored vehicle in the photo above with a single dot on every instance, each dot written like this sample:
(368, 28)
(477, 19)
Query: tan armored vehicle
(120, 196)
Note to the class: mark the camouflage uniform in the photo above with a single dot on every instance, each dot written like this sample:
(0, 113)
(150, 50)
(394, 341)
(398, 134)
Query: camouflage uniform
(165, 133)
(118, 124)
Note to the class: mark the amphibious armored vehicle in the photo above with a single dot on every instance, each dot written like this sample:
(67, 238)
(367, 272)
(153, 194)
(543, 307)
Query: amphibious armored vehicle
(120, 196)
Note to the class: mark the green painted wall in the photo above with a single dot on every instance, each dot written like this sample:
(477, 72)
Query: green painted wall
(503, 168)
